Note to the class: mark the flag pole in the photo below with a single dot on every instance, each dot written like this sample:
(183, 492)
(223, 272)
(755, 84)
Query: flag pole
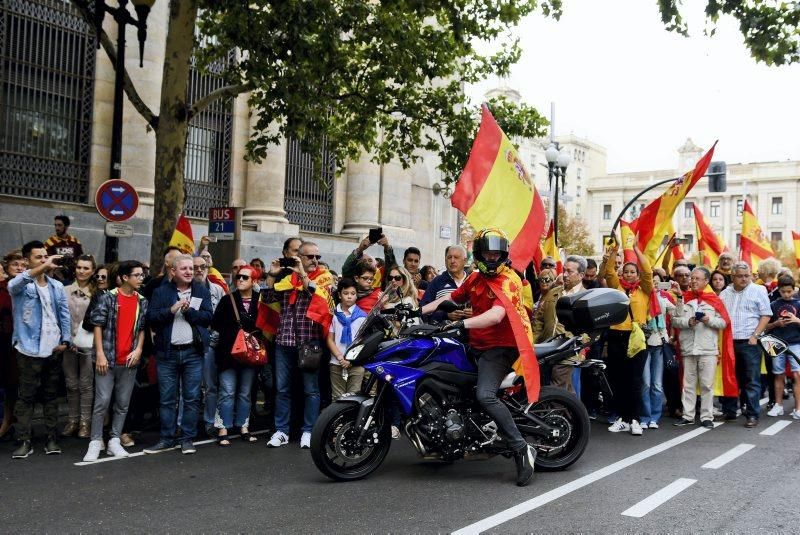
(744, 200)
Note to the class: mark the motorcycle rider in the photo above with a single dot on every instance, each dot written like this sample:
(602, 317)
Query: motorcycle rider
(498, 320)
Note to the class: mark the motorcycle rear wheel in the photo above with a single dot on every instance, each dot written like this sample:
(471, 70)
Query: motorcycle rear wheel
(563, 410)
(334, 447)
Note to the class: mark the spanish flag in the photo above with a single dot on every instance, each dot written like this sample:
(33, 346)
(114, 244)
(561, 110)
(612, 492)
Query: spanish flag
(754, 245)
(796, 239)
(627, 239)
(550, 249)
(215, 277)
(708, 243)
(320, 309)
(182, 237)
(655, 221)
(495, 190)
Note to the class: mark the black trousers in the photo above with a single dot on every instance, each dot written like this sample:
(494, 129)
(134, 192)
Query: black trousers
(625, 376)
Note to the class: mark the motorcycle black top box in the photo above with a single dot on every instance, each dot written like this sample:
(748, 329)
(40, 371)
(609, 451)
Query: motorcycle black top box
(592, 310)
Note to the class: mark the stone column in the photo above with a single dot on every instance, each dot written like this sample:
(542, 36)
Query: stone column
(363, 192)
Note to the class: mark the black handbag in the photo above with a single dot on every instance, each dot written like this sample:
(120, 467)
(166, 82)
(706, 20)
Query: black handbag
(670, 358)
(309, 353)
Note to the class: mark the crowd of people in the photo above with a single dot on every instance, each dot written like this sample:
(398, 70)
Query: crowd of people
(124, 344)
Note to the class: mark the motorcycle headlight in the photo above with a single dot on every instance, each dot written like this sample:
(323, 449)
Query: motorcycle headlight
(353, 352)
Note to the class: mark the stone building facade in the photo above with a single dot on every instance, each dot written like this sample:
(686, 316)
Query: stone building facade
(55, 152)
(772, 188)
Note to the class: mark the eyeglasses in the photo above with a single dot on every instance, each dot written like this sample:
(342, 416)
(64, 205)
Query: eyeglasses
(367, 279)
(242, 277)
(548, 266)
(396, 277)
(137, 275)
(313, 256)
(200, 268)
(205, 256)
(101, 277)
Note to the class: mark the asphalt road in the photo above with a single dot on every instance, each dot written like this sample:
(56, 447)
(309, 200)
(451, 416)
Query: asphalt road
(654, 483)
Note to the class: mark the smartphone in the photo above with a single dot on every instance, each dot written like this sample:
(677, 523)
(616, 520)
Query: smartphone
(699, 315)
(664, 285)
(375, 234)
(286, 262)
(784, 313)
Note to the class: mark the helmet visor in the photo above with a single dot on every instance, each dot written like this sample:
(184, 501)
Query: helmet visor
(494, 243)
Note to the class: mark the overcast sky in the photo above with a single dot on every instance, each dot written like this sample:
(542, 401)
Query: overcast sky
(620, 79)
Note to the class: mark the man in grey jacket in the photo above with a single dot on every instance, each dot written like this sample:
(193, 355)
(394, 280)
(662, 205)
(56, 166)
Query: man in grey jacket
(699, 325)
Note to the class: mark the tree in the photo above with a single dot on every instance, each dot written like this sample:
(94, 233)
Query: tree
(573, 235)
(383, 78)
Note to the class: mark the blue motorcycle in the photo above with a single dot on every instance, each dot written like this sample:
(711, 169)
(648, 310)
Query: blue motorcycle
(427, 374)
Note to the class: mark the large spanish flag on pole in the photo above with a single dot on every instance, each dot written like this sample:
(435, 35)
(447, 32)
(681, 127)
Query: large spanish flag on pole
(709, 244)
(796, 240)
(182, 237)
(754, 246)
(655, 221)
(495, 190)
(627, 238)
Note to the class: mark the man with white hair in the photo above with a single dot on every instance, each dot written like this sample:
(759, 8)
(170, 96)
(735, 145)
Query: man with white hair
(455, 259)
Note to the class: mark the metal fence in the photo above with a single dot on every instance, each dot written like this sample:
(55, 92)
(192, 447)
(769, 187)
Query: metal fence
(309, 192)
(207, 172)
(47, 61)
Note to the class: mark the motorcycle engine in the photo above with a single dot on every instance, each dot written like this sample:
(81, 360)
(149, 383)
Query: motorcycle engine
(443, 431)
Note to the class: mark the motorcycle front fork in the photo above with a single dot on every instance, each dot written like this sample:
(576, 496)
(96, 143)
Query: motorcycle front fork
(369, 409)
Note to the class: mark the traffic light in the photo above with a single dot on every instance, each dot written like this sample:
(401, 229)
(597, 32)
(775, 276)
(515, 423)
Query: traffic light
(717, 175)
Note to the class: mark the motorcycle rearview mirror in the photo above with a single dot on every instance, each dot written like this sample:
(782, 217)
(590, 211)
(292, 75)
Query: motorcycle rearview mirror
(447, 306)
(773, 345)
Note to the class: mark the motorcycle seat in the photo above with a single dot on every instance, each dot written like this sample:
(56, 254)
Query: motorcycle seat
(550, 347)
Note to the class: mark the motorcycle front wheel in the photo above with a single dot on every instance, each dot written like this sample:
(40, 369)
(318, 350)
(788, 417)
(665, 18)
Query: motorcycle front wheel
(563, 411)
(335, 448)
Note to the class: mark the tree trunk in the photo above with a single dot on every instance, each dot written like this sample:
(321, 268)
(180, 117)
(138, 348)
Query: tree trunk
(173, 127)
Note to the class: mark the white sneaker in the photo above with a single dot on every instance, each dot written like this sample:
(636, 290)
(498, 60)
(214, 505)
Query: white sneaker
(278, 439)
(795, 414)
(636, 429)
(305, 441)
(619, 426)
(95, 447)
(653, 425)
(115, 448)
(776, 410)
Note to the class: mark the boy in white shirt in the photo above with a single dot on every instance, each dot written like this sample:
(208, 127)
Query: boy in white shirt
(347, 320)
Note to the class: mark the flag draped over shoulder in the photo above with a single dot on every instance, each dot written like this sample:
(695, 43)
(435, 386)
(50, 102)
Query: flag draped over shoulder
(754, 245)
(655, 220)
(796, 240)
(709, 244)
(627, 239)
(495, 190)
(182, 237)
(549, 248)
(215, 277)
(725, 377)
(320, 309)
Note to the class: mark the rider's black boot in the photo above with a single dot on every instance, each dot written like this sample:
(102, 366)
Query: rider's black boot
(525, 458)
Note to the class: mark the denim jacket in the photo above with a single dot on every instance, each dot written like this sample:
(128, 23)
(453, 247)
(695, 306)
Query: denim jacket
(104, 315)
(28, 311)
(160, 318)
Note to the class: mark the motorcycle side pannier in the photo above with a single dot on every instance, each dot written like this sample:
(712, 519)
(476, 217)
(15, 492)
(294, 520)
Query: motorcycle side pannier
(592, 310)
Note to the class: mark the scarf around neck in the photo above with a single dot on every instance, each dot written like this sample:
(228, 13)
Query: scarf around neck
(347, 321)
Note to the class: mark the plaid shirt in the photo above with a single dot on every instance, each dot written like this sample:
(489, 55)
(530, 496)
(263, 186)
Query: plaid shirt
(291, 314)
(746, 308)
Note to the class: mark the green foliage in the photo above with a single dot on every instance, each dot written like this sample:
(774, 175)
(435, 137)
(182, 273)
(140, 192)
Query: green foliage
(769, 27)
(573, 235)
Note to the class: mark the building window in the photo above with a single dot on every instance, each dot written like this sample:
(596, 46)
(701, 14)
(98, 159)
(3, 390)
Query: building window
(777, 239)
(607, 212)
(739, 209)
(688, 245)
(579, 174)
(713, 209)
(777, 205)
(738, 240)
(207, 171)
(309, 190)
(688, 210)
(47, 60)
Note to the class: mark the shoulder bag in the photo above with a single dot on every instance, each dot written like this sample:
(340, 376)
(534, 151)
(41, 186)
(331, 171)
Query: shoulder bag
(309, 353)
(247, 348)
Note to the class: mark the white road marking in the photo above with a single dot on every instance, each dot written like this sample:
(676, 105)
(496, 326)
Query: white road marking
(728, 456)
(558, 492)
(775, 428)
(140, 453)
(658, 498)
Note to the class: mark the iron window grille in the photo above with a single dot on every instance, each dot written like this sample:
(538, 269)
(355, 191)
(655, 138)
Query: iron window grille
(47, 62)
(308, 199)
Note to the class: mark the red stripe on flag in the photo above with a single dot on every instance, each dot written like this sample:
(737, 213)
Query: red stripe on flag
(526, 245)
(754, 248)
(480, 163)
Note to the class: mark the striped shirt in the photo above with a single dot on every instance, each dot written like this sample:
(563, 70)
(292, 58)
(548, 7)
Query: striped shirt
(746, 308)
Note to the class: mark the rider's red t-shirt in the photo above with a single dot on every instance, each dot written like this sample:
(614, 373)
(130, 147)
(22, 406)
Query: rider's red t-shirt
(482, 299)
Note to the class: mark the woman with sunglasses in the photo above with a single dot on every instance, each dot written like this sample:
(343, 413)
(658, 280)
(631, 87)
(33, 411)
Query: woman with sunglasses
(77, 361)
(626, 373)
(235, 378)
(401, 289)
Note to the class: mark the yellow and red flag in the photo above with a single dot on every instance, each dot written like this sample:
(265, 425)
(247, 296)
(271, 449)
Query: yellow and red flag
(709, 244)
(754, 245)
(182, 237)
(796, 240)
(550, 249)
(215, 277)
(627, 239)
(320, 309)
(655, 221)
(495, 190)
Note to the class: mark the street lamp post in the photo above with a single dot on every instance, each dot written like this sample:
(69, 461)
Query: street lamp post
(122, 17)
(557, 163)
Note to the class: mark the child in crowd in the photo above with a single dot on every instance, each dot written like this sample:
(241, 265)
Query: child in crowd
(347, 320)
(786, 325)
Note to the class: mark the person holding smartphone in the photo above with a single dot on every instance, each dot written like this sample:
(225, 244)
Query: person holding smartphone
(375, 237)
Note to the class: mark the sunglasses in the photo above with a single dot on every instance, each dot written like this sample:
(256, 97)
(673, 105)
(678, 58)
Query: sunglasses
(200, 268)
(548, 265)
(242, 277)
(313, 256)
(396, 277)
(546, 280)
(101, 277)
